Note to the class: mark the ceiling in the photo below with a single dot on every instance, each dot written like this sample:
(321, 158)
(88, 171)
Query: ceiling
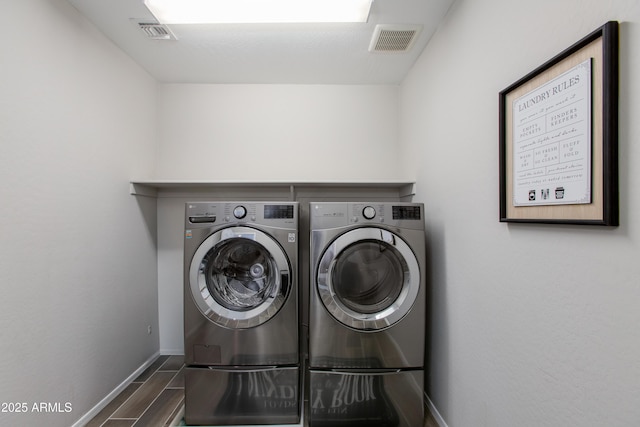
(268, 53)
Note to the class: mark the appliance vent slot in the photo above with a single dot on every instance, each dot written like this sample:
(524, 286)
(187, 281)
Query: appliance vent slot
(156, 31)
(394, 38)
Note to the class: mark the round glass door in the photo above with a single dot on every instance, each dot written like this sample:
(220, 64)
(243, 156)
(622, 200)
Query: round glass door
(368, 278)
(239, 277)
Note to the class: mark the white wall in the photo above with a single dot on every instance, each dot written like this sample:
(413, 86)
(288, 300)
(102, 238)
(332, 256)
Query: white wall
(77, 252)
(277, 132)
(263, 133)
(530, 325)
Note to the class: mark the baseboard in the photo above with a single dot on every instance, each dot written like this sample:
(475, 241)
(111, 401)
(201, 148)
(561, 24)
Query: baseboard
(116, 391)
(172, 352)
(434, 411)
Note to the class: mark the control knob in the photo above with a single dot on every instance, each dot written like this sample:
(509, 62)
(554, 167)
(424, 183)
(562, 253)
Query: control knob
(240, 212)
(369, 212)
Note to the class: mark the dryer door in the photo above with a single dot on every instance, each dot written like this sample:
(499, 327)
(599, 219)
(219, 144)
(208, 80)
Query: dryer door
(368, 278)
(239, 277)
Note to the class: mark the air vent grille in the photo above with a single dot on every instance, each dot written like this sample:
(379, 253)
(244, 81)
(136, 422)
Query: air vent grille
(393, 38)
(156, 31)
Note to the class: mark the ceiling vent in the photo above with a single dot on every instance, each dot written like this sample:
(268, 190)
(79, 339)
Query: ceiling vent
(156, 31)
(394, 38)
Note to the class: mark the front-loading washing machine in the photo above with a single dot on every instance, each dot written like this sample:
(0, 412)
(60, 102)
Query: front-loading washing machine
(241, 313)
(366, 314)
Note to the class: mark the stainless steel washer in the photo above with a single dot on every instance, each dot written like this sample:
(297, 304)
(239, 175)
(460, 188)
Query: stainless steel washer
(241, 313)
(366, 314)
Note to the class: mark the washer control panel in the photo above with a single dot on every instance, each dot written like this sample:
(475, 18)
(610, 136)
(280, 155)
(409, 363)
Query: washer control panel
(202, 214)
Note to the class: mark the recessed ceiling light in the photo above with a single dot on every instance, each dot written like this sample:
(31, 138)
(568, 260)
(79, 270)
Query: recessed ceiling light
(258, 11)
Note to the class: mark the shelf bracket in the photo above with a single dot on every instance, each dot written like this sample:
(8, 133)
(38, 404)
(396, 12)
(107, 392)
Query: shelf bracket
(138, 189)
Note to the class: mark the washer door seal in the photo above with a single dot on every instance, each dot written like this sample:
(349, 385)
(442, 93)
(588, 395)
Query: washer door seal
(239, 277)
(368, 278)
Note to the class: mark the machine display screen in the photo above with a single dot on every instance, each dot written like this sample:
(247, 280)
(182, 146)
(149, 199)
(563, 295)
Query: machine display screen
(278, 211)
(406, 212)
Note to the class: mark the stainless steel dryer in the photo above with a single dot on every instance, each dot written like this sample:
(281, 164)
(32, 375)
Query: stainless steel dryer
(366, 314)
(241, 313)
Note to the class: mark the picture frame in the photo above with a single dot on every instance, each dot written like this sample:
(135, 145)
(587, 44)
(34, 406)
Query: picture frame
(558, 137)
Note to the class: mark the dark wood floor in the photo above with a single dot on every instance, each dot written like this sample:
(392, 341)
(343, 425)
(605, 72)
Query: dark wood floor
(156, 399)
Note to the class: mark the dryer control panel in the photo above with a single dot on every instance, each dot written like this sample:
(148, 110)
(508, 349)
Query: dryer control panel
(337, 214)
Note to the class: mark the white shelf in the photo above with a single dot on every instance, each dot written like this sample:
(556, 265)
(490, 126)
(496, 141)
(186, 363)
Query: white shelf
(160, 188)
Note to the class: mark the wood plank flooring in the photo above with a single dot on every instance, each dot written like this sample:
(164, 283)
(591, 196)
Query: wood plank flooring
(156, 399)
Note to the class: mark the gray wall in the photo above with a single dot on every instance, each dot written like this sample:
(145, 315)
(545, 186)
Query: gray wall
(77, 252)
(530, 325)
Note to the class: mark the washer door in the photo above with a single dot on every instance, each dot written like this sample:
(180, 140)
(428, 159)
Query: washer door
(239, 277)
(368, 278)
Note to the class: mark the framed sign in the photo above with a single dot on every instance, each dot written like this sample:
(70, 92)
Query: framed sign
(559, 137)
